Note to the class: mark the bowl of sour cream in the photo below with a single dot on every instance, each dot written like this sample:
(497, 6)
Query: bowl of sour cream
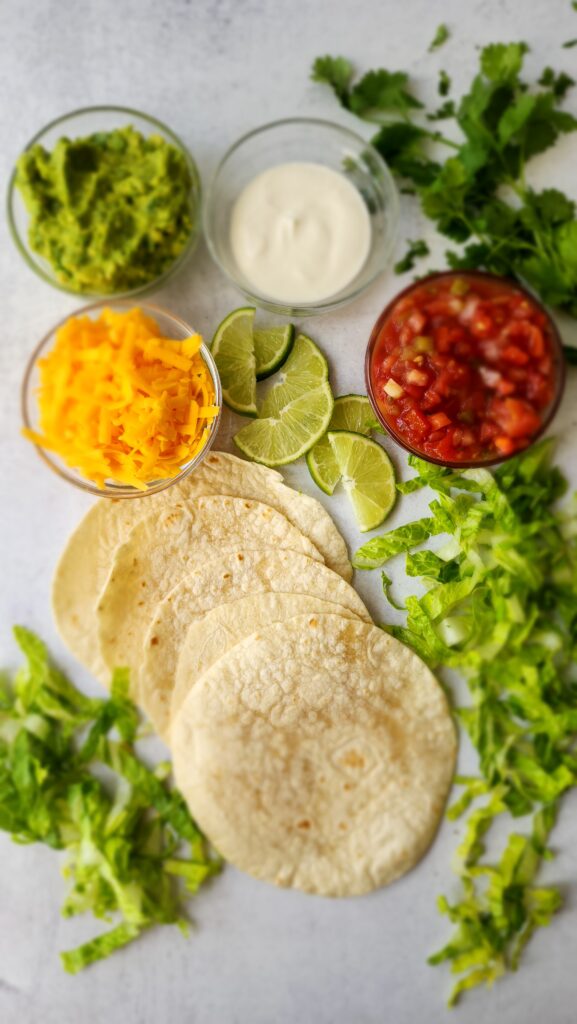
(302, 216)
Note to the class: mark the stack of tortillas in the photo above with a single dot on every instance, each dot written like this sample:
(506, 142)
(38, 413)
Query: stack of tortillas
(313, 749)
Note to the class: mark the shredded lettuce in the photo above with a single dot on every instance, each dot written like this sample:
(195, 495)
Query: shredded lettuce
(130, 844)
(501, 608)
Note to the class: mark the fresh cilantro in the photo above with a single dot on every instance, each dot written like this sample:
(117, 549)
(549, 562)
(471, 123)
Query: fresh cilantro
(500, 607)
(503, 123)
(444, 86)
(415, 251)
(380, 93)
(374, 97)
(441, 36)
(570, 44)
(128, 841)
(502, 62)
(336, 72)
(559, 83)
(446, 110)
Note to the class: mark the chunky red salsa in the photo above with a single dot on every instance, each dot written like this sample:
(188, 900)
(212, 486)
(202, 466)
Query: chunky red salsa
(464, 368)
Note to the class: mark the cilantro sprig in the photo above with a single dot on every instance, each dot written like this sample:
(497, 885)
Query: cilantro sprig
(479, 195)
(500, 607)
(131, 846)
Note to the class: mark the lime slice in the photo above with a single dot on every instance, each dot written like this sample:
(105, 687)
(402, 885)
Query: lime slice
(284, 437)
(367, 474)
(305, 369)
(271, 347)
(233, 352)
(351, 412)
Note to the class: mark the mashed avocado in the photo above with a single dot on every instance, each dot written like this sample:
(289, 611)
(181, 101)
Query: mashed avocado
(109, 212)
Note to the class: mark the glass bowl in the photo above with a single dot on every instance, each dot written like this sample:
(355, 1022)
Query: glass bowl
(171, 327)
(78, 124)
(558, 369)
(312, 141)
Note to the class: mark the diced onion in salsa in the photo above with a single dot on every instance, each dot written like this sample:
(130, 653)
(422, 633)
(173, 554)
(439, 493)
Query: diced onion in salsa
(465, 368)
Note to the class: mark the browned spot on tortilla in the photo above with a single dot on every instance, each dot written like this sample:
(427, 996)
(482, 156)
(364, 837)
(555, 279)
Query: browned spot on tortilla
(140, 604)
(348, 786)
(313, 623)
(248, 504)
(143, 583)
(303, 824)
(153, 641)
(226, 575)
(353, 760)
(240, 558)
(343, 826)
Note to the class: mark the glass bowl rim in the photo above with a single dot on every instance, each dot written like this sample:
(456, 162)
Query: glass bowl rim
(21, 244)
(559, 359)
(122, 490)
(304, 308)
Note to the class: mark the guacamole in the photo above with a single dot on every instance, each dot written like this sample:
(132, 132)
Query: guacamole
(110, 212)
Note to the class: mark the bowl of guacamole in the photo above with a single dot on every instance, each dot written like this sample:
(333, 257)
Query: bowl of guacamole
(105, 202)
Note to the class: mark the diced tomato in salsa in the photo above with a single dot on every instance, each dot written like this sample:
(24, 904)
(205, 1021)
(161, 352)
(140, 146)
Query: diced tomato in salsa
(473, 366)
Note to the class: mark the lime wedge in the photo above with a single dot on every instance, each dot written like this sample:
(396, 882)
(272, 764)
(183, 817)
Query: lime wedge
(367, 474)
(271, 347)
(305, 369)
(233, 352)
(351, 412)
(283, 437)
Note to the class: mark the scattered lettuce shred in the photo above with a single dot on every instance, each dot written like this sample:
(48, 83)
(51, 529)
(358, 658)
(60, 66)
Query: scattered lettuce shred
(70, 778)
(500, 606)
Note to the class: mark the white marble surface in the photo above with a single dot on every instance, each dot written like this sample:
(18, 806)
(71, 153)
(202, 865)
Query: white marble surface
(213, 70)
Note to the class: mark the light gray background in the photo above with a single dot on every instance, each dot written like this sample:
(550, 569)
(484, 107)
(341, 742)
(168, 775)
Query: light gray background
(213, 71)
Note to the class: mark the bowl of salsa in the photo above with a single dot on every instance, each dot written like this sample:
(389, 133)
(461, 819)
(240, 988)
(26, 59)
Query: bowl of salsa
(465, 369)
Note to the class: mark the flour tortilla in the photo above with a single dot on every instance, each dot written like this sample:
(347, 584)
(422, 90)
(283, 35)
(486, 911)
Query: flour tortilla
(317, 754)
(216, 582)
(86, 561)
(163, 548)
(209, 638)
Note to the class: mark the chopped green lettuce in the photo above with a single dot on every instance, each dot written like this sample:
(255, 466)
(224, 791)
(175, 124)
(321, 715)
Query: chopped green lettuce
(130, 844)
(501, 608)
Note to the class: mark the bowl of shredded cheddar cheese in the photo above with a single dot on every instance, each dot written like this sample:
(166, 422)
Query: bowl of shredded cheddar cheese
(121, 400)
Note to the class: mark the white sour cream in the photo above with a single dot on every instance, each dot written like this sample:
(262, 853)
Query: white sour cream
(300, 232)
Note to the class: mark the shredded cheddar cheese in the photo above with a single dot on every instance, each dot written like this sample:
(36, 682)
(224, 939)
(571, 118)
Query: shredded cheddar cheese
(118, 402)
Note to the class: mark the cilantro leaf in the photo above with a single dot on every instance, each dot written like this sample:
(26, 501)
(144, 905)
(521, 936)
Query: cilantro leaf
(415, 251)
(444, 86)
(440, 37)
(502, 62)
(400, 144)
(336, 72)
(380, 93)
(558, 83)
(447, 109)
(569, 44)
